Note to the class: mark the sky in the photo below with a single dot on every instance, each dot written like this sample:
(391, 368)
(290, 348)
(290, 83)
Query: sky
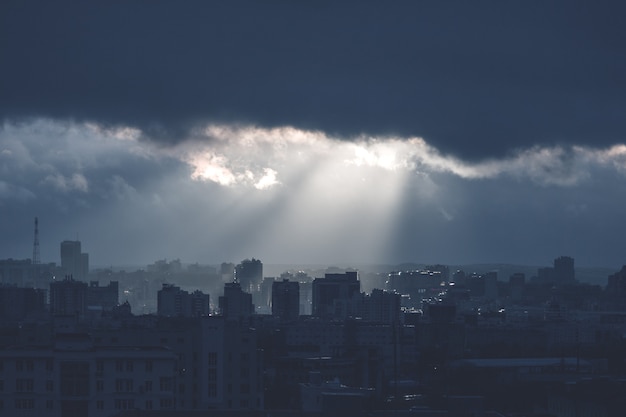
(314, 132)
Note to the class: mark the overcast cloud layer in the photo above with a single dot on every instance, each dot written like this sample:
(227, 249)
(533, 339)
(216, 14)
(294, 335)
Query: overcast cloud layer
(330, 132)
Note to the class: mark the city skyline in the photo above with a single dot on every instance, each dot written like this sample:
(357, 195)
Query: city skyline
(315, 134)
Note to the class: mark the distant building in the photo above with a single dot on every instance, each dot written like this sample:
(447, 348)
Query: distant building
(249, 274)
(235, 303)
(19, 303)
(517, 283)
(333, 292)
(564, 272)
(106, 298)
(616, 289)
(68, 297)
(491, 285)
(227, 271)
(286, 299)
(73, 261)
(24, 273)
(380, 307)
(200, 304)
(174, 302)
(546, 275)
(162, 266)
(417, 284)
(263, 298)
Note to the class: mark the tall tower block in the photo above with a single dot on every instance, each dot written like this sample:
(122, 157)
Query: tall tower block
(36, 258)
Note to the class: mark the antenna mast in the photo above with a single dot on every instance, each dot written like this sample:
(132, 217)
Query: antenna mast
(36, 260)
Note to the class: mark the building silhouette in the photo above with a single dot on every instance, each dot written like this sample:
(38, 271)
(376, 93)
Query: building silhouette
(249, 274)
(564, 270)
(380, 307)
(286, 299)
(18, 303)
(73, 261)
(174, 302)
(104, 297)
(332, 293)
(68, 297)
(236, 303)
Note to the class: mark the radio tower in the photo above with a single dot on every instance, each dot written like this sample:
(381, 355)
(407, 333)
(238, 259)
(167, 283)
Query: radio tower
(36, 260)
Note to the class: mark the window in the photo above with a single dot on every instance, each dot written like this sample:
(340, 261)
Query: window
(123, 385)
(148, 386)
(99, 385)
(24, 403)
(244, 388)
(1, 385)
(212, 390)
(30, 365)
(165, 384)
(181, 388)
(19, 365)
(99, 367)
(49, 365)
(212, 358)
(49, 385)
(49, 404)
(24, 385)
(148, 404)
(148, 366)
(212, 375)
(245, 372)
(166, 403)
(129, 366)
(100, 405)
(124, 403)
(119, 365)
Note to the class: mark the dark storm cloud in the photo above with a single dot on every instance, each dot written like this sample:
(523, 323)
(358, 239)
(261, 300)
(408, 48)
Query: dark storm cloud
(474, 78)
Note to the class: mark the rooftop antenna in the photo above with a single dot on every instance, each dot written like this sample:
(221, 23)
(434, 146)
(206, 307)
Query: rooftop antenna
(36, 259)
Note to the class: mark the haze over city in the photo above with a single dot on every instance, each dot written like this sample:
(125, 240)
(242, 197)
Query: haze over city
(314, 209)
(322, 133)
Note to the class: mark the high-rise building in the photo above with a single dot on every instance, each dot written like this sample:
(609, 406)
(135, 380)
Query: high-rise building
(106, 298)
(517, 282)
(249, 274)
(380, 307)
(286, 299)
(235, 303)
(227, 271)
(68, 297)
(174, 302)
(564, 270)
(74, 262)
(19, 303)
(334, 291)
